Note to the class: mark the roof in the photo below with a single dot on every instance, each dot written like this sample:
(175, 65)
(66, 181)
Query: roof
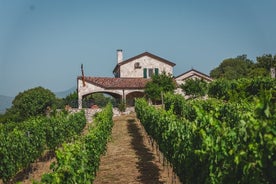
(193, 72)
(117, 83)
(142, 55)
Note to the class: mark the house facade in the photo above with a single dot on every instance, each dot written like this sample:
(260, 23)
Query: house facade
(130, 77)
(192, 74)
(141, 66)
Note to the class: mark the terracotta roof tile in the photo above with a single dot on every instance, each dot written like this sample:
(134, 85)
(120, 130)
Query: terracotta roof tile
(117, 83)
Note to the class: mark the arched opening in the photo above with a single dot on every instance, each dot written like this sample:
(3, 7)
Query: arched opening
(130, 97)
(100, 99)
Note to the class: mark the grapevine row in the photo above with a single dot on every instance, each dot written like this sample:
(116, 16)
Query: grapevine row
(77, 162)
(212, 141)
(22, 143)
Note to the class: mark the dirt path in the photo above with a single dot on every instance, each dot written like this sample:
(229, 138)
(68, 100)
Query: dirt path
(129, 158)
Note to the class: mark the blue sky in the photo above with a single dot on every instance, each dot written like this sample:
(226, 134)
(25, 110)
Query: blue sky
(44, 42)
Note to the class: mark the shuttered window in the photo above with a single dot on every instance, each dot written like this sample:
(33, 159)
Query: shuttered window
(145, 73)
(156, 71)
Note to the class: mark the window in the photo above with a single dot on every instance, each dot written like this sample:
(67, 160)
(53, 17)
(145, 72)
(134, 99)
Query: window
(156, 71)
(148, 72)
(145, 73)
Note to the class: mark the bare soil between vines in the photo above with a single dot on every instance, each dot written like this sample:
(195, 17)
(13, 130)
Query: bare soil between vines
(129, 157)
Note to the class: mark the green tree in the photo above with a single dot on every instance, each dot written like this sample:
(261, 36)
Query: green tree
(233, 68)
(194, 87)
(32, 102)
(98, 99)
(161, 83)
(266, 61)
(258, 72)
(71, 100)
(219, 89)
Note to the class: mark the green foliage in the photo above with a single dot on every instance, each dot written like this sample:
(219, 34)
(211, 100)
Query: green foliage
(122, 106)
(240, 67)
(195, 87)
(71, 100)
(266, 62)
(219, 89)
(77, 162)
(260, 72)
(233, 68)
(240, 89)
(225, 142)
(22, 143)
(98, 99)
(32, 102)
(266, 104)
(258, 84)
(62, 127)
(161, 83)
(175, 102)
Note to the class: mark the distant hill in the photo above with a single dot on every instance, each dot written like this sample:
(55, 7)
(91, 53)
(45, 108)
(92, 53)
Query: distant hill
(63, 94)
(5, 102)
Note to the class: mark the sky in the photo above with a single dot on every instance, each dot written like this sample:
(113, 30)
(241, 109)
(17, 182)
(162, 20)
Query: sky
(44, 42)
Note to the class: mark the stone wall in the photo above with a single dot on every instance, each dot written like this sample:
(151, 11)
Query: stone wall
(89, 113)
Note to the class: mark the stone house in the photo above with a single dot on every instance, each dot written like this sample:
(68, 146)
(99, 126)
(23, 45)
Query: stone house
(192, 74)
(141, 66)
(131, 77)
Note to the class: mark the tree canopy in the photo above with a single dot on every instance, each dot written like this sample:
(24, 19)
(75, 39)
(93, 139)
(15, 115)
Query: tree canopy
(195, 87)
(233, 68)
(31, 102)
(159, 83)
(242, 67)
(266, 61)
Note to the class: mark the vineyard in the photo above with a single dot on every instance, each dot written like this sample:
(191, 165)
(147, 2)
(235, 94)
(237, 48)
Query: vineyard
(78, 161)
(23, 143)
(218, 140)
(229, 137)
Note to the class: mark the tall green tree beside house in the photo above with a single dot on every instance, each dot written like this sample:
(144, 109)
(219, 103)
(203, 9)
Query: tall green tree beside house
(160, 83)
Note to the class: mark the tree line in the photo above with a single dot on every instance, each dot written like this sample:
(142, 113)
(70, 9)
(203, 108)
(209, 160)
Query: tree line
(242, 67)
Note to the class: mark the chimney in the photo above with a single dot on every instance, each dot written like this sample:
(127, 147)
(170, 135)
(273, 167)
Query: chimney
(119, 55)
